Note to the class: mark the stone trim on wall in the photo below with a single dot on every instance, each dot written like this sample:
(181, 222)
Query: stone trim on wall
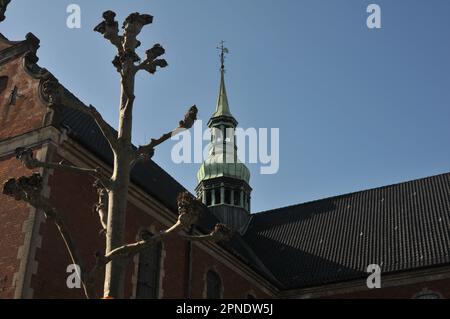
(31, 139)
(26, 254)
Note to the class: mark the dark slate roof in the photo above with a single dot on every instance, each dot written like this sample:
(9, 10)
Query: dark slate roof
(400, 227)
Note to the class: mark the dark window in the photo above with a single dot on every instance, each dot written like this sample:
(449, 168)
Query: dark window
(213, 285)
(3, 83)
(227, 196)
(217, 196)
(208, 198)
(237, 198)
(148, 271)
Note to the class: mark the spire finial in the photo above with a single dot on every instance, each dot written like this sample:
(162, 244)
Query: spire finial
(223, 51)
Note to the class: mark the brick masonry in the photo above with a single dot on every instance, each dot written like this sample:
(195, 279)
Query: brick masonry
(13, 214)
(28, 111)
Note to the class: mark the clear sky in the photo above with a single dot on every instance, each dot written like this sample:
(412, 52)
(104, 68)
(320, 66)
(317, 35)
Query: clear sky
(356, 108)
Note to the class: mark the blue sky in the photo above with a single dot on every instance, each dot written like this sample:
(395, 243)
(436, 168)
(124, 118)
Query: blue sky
(356, 108)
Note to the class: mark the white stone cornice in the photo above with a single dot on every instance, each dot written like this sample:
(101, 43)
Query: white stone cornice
(31, 139)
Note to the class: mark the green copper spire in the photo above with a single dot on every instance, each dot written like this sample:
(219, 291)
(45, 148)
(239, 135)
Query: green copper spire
(222, 112)
(222, 107)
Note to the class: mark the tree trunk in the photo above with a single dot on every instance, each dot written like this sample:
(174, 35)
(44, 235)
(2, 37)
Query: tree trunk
(115, 270)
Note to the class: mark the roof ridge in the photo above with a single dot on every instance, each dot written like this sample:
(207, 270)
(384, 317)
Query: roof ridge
(347, 194)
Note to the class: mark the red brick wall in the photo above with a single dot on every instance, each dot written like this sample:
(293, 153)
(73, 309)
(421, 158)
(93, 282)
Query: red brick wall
(12, 216)
(234, 285)
(26, 115)
(28, 112)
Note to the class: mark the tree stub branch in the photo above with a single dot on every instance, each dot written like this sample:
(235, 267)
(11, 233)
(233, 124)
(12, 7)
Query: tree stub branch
(145, 152)
(109, 28)
(189, 211)
(151, 63)
(220, 233)
(25, 155)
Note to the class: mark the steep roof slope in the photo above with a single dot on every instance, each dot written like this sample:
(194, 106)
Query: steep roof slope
(398, 227)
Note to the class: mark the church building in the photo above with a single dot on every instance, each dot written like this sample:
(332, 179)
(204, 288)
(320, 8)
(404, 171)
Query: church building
(318, 249)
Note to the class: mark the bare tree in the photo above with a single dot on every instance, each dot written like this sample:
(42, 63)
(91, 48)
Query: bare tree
(113, 190)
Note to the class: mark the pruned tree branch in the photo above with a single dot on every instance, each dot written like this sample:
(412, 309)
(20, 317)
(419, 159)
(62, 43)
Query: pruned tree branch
(25, 155)
(132, 26)
(189, 211)
(127, 43)
(220, 233)
(29, 189)
(55, 93)
(129, 250)
(151, 62)
(101, 207)
(109, 28)
(146, 152)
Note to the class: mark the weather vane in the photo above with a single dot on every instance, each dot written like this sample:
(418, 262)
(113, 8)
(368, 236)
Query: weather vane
(223, 51)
